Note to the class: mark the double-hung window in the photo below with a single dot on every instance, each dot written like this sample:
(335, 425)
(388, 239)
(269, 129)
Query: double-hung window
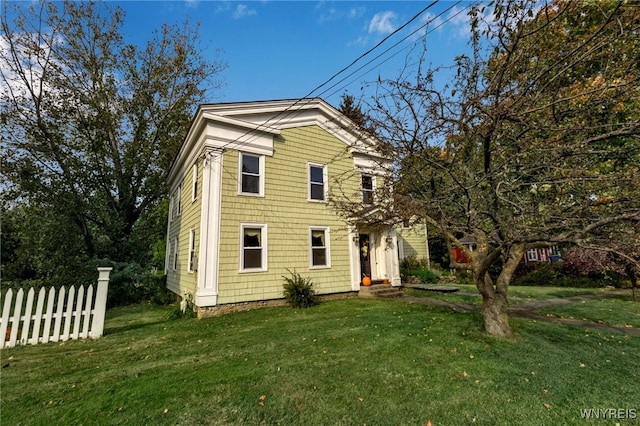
(317, 182)
(193, 262)
(194, 182)
(253, 247)
(251, 181)
(175, 203)
(367, 189)
(175, 254)
(319, 248)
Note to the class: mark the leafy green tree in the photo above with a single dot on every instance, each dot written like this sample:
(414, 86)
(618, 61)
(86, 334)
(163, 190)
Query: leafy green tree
(533, 142)
(91, 123)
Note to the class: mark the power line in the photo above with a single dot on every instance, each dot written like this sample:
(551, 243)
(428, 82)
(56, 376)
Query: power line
(396, 44)
(307, 98)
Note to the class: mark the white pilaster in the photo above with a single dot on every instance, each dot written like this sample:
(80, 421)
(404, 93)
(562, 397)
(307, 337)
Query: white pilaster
(209, 251)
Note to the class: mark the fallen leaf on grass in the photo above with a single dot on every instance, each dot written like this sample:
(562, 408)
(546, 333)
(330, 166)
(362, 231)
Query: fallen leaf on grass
(547, 406)
(166, 410)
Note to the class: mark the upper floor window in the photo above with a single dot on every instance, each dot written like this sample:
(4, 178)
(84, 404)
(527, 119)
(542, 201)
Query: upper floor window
(194, 180)
(317, 182)
(253, 252)
(367, 189)
(251, 180)
(175, 203)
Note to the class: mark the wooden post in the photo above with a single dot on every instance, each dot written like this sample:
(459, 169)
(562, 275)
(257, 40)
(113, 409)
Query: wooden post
(97, 325)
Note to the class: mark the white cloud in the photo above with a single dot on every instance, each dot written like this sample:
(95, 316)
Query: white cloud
(243, 10)
(359, 42)
(460, 20)
(382, 23)
(336, 14)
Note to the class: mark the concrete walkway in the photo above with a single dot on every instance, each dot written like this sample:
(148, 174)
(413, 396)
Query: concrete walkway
(530, 310)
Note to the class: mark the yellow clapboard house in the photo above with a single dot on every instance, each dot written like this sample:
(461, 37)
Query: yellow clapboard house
(249, 201)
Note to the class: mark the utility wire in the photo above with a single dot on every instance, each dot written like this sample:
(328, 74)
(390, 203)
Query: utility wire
(307, 98)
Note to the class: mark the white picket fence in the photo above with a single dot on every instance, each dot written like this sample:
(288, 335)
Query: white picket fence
(78, 315)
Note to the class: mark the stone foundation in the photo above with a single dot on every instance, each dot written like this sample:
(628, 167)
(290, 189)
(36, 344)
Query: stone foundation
(215, 311)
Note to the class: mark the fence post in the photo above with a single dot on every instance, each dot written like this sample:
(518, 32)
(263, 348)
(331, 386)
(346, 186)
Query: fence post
(97, 325)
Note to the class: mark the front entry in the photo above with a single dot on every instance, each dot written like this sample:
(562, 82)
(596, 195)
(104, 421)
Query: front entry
(365, 256)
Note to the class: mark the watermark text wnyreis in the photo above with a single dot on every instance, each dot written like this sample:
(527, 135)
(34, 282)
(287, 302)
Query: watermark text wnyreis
(609, 413)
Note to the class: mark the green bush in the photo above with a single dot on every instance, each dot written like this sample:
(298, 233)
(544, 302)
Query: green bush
(552, 274)
(130, 283)
(412, 266)
(425, 275)
(298, 291)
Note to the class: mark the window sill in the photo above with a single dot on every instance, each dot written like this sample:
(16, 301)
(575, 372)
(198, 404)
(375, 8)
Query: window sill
(252, 271)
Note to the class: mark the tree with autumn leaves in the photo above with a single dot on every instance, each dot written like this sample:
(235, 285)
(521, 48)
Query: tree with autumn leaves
(534, 141)
(90, 125)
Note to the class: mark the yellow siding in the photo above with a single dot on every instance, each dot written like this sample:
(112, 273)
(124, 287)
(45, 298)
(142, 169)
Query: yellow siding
(414, 241)
(288, 216)
(181, 281)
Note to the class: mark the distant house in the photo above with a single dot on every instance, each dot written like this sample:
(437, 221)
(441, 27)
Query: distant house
(249, 202)
(459, 255)
(543, 254)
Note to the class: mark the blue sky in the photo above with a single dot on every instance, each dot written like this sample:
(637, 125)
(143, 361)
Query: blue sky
(285, 49)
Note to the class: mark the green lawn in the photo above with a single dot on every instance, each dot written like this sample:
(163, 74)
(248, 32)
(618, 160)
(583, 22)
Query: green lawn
(517, 294)
(348, 362)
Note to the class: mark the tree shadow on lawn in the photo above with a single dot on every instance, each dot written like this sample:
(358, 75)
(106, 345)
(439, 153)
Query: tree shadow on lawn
(133, 317)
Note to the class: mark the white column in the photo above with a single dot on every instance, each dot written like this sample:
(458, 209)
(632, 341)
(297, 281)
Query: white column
(393, 262)
(209, 250)
(354, 259)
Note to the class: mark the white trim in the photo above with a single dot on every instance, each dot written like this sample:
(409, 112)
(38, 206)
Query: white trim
(354, 258)
(325, 183)
(210, 210)
(263, 247)
(327, 246)
(392, 262)
(261, 174)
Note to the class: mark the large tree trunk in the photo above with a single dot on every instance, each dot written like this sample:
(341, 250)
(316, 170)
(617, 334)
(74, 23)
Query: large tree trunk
(495, 305)
(496, 318)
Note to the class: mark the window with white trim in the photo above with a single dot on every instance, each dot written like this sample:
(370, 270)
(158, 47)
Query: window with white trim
(319, 253)
(193, 261)
(317, 182)
(176, 207)
(194, 185)
(253, 247)
(367, 189)
(532, 255)
(175, 254)
(251, 180)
